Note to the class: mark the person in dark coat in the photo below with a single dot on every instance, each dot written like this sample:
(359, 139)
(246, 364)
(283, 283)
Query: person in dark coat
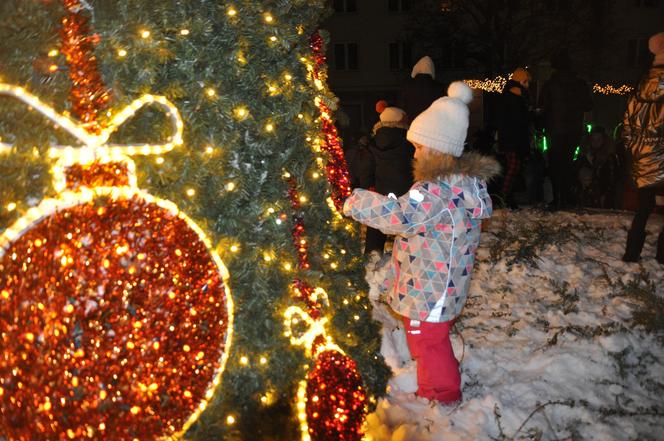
(514, 130)
(643, 134)
(393, 170)
(422, 89)
(563, 100)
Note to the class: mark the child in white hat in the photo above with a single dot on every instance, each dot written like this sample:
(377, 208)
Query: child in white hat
(437, 224)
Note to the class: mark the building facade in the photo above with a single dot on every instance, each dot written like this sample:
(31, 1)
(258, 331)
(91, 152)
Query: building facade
(370, 54)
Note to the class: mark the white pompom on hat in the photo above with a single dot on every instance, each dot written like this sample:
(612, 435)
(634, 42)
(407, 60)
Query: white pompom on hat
(392, 115)
(444, 125)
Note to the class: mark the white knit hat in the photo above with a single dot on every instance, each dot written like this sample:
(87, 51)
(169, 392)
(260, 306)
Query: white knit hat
(424, 66)
(444, 125)
(392, 115)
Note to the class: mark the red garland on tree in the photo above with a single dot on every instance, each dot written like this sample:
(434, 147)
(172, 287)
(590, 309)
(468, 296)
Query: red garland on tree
(88, 95)
(337, 170)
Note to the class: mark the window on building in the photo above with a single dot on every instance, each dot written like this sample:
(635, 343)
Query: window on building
(638, 54)
(345, 56)
(345, 5)
(554, 6)
(646, 3)
(398, 5)
(400, 57)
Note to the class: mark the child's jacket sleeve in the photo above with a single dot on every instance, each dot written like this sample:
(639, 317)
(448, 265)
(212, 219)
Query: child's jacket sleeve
(408, 215)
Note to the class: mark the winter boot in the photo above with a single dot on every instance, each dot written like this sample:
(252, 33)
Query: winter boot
(635, 240)
(660, 248)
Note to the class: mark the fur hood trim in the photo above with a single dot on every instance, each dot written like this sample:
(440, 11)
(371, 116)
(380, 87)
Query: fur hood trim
(381, 124)
(441, 166)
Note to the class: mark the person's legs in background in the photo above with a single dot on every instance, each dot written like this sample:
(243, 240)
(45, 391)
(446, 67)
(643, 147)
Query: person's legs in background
(374, 241)
(513, 165)
(561, 161)
(636, 235)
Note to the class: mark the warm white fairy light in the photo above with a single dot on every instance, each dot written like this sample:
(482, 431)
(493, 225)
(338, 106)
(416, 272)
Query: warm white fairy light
(241, 112)
(122, 53)
(145, 34)
(268, 18)
(608, 89)
(11, 206)
(53, 53)
(184, 32)
(232, 12)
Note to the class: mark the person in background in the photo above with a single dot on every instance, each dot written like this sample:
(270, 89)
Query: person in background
(563, 100)
(359, 161)
(514, 131)
(392, 173)
(437, 223)
(643, 134)
(598, 170)
(422, 89)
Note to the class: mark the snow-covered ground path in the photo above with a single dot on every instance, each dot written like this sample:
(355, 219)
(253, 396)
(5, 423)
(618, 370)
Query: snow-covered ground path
(559, 339)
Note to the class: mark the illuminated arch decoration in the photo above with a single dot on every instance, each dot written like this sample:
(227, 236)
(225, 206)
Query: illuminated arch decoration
(109, 327)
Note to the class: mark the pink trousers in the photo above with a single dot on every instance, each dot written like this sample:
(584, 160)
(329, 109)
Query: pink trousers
(437, 369)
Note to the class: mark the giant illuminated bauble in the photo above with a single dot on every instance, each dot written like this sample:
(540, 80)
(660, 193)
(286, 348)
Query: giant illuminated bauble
(115, 318)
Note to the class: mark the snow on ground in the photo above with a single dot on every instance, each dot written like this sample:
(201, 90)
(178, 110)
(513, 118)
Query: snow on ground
(559, 339)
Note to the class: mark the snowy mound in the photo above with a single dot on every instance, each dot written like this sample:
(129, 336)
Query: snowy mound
(559, 339)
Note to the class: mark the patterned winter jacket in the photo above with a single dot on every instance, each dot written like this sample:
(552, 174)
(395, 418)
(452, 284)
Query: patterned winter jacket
(437, 224)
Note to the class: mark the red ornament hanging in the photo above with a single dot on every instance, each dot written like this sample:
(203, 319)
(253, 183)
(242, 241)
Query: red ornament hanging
(110, 327)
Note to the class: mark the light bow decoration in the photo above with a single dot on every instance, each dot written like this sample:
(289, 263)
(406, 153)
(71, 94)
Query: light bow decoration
(110, 328)
(332, 400)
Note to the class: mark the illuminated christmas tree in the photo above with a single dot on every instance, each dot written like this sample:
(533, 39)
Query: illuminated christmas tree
(225, 298)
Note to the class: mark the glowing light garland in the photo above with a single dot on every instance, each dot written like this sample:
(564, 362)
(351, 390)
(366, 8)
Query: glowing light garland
(104, 262)
(498, 84)
(608, 89)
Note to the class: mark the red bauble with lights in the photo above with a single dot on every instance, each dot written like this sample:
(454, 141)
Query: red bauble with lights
(336, 399)
(114, 316)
